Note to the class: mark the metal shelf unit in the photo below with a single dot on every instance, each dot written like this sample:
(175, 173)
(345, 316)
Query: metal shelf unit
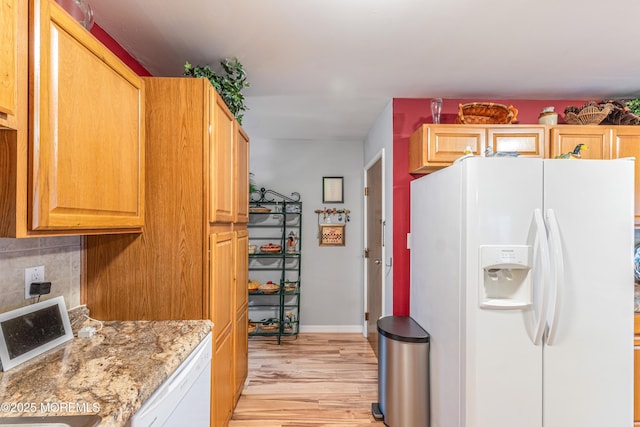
(276, 219)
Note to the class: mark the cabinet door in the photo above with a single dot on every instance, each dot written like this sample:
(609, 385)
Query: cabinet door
(240, 336)
(241, 351)
(597, 139)
(221, 284)
(527, 141)
(221, 168)
(241, 269)
(86, 130)
(241, 163)
(222, 391)
(13, 53)
(626, 143)
(433, 147)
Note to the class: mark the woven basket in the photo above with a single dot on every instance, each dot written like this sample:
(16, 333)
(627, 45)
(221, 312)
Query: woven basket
(251, 328)
(270, 327)
(486, 113)
(590, 114)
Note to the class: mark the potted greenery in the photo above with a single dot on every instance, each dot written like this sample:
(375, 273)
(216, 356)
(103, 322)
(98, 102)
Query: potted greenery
(229, 83)
(634, 106)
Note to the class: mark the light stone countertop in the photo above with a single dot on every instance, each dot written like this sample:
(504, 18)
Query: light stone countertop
(110, 374)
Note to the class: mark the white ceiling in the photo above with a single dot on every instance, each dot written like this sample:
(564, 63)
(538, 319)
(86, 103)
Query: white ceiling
(325, 69)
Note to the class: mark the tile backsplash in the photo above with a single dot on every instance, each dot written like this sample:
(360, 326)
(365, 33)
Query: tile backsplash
(60, 257)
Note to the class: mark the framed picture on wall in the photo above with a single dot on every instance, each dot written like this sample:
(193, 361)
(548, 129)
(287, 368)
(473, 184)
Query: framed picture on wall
(332, 235)
(332, 189)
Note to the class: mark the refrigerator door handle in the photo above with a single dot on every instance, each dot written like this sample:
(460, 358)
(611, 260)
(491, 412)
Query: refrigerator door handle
(541, 285)
(557, 281)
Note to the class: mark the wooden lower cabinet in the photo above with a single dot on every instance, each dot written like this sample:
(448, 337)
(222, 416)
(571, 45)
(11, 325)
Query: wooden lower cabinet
(222, 271)
(241, 351)
(222, 281)
(241, 316)
(222, 396)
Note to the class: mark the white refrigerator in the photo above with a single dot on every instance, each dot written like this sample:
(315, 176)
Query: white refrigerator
(522, 274)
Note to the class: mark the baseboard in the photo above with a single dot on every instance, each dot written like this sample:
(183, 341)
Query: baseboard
(331, 328)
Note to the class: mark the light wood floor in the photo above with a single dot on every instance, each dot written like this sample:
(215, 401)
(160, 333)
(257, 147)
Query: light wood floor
(316, 380)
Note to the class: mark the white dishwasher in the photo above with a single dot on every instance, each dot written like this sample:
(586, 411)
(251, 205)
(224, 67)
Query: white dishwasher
(184, 399)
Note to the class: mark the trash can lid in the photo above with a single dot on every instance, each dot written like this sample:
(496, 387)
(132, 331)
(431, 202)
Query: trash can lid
(402, 328)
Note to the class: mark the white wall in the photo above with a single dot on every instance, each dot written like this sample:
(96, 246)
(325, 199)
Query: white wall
(60, 257)
(331, 277)
(381, 137)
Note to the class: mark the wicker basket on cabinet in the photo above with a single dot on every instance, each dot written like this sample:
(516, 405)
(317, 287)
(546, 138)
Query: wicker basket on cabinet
(486, 113)
(589, 114)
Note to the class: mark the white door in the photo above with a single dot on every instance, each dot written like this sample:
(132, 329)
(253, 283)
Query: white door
(588, 365)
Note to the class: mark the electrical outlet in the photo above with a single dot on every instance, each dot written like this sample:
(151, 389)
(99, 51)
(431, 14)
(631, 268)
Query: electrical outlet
(32, 274)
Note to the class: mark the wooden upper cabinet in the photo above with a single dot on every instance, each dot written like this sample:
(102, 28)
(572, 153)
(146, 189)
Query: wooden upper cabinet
(241, 179)
(433, 147)
(13, 60)
(528, 141)
(222, 155)
(86, 129)
(564, 139)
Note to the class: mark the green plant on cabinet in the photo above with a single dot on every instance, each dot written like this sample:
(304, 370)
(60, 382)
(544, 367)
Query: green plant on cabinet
(229, 82)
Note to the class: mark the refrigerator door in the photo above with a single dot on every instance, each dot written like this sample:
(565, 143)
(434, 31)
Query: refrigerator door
(502, 373)
(436, 287)
(588, 363)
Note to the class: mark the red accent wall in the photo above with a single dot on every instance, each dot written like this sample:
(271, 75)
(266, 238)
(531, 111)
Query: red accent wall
(408, 115)
(118, 50)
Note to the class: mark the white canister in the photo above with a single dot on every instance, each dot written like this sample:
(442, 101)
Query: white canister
(548, 116)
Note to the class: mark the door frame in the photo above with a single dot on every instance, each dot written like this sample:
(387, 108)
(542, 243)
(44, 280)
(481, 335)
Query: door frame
(379, 156)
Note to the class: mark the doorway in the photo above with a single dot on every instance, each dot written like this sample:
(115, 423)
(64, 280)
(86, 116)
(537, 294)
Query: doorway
(374, 264)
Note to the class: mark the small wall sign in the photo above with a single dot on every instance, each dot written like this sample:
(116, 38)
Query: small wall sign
(332, 234)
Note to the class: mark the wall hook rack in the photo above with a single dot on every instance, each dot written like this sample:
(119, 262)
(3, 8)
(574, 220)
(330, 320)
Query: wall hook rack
(332, 224)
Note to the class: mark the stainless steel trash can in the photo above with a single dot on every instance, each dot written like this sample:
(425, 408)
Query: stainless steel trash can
(403, 373)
